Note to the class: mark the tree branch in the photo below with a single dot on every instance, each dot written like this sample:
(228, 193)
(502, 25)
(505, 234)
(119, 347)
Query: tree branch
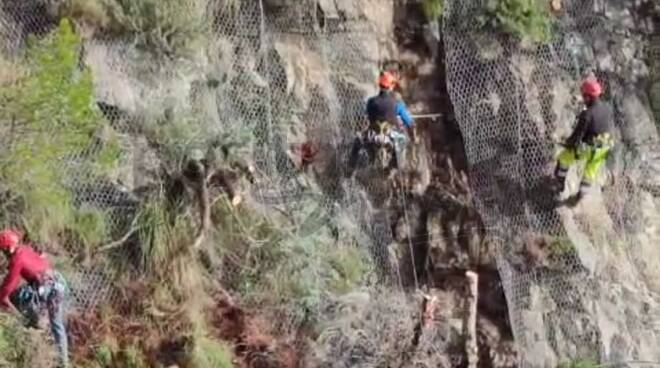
(122, 240)
(119, 242)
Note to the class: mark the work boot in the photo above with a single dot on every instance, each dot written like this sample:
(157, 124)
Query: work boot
(558, 184)
(573, 200)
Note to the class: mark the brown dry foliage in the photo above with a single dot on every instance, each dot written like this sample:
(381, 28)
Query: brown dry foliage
(255, 346)
(157, 337)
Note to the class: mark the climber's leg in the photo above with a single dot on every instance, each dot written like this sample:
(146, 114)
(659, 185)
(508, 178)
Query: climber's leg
(567, 157)
(26, 300)
(394, 160)
(399, 149)
(355, 152)
(596, 159)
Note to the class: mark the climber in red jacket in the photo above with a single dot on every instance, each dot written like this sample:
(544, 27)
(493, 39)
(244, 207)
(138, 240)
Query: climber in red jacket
(43, 286)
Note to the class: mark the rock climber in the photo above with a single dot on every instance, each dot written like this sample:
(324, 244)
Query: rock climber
(590, 141)
(386, 108)
(44, 286)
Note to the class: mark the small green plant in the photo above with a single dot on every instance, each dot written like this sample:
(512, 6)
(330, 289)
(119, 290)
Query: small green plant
(210, 353)
(560, 245)
(432, 9)
(131, 357)
(580, 364)
(526, 19)
(103, 356)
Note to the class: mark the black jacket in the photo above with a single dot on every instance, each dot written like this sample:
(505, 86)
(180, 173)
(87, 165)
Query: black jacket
(595, 120)
(382, 108)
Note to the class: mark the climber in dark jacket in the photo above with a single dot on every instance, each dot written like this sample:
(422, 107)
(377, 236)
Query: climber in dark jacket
(591, 139)
(385, 107)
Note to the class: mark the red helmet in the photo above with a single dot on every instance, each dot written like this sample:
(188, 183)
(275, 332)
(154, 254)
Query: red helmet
(387, 80)
(591, 87)
(9, 238)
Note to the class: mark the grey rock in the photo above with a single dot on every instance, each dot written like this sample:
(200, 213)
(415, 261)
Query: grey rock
(638, 126)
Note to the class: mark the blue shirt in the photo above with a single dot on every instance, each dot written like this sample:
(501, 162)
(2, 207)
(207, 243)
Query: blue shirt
(404, 114)
(385, 106)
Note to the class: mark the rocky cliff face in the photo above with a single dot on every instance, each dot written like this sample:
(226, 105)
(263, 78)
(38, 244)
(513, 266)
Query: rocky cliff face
(575, 279)
(292, 74)
(301, 74)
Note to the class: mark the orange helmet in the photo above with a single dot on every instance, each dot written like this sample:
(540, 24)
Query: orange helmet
(9, 239)
(591, 88)
(387, 80)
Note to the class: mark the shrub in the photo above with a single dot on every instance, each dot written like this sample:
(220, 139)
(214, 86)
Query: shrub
(560, 245)
(21, 348)
(580, 364)
(165, 246)
(131, 357)
(432, 9)
(210, 353)
(50, 121)
(526, 19)
(286, 268)
(163, 27)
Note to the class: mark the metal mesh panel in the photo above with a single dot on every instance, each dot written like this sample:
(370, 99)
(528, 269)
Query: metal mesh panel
(258, 93)
(511, 103)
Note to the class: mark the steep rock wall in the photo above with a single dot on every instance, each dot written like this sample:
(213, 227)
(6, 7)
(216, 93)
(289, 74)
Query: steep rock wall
(571, 276)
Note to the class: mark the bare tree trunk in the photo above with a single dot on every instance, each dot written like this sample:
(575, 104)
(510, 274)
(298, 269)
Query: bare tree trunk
(470, 322)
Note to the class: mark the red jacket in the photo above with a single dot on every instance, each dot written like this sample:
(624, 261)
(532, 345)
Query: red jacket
(24, 263)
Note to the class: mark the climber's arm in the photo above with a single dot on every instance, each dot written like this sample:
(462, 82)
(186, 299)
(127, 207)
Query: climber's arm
(10, 284)
(579, 131)
(404, 114)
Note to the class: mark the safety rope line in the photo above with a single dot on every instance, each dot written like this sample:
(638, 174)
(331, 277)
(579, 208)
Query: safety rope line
(406, 220)
(426, 116)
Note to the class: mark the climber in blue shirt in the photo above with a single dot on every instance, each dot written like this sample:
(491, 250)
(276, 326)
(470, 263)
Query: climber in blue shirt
(385, 107)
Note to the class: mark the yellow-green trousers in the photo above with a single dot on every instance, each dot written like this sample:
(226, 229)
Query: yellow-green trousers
(594, 157)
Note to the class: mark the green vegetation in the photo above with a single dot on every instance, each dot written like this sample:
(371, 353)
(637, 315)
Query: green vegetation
(580, 364)
(130, 357)
(50, 117)
(287, 263)
(526, 19)
(209, 353)
(560, 245)
(285, 268)
(432, 9)
(164, 27)
(20, 347)
(12, 352)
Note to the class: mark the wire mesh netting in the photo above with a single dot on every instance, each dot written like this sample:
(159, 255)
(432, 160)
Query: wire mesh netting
(513, 102)
(259, 96)
(252, 82)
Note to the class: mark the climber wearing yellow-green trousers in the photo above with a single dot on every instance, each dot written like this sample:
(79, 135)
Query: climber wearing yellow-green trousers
(591, 140)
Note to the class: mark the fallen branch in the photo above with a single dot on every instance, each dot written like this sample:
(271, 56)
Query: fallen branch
(470, 325)
(119, 242)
